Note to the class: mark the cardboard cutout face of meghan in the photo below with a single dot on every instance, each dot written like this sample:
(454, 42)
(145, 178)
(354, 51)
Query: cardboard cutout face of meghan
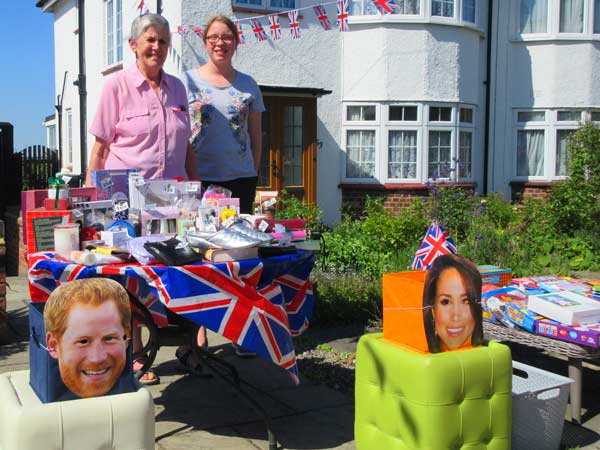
(92, 351)
(452, 313)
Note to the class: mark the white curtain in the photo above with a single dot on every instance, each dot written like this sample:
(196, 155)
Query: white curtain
(562, 156)
(571, 16)
(534, 16)
(530, 153)
(407, 7)
(402, 154)
(360, 154)
(468, 12)
(465, 152)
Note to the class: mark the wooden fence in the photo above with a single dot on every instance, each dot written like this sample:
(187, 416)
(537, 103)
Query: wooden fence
(38, 163)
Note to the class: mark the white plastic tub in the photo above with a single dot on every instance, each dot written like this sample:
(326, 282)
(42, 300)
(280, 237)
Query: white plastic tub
(538, 410)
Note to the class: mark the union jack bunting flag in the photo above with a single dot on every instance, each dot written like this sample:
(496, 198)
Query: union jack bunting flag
(322, 17)
(258, 30)
(294, 24)
(342, 15)
(140, 6)
(241, 35)
(274, 27)
(259, 304)
(198, 31)
(436, 242)
(181, 29)
(384, 6)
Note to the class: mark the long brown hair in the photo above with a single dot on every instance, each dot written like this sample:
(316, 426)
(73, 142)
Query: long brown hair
(471, 278)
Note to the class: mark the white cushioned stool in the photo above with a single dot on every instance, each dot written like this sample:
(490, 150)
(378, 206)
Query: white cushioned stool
(112, 422)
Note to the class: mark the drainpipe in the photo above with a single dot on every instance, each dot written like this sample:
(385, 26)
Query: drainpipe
(80, 83)
(158, 7)
(58, 106)
(488, 88)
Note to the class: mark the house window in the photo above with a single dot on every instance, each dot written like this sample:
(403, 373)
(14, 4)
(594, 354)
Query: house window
(468, 11)
(571, 16)
(360, 154)
(52, 136)
(440, 114)
(595, 116)
(266, 4)
(596, 16)
(534, 16)
(114, 32)
(562, 155)
(361, 113)
(439, 162)
(530, 152)
(292, 145)
(466, 115)
(568, 116)
(531, 116)
(442, 8)
(402, 154)
(408, 7)
(403, 113)
(465, 154)
(70, 135)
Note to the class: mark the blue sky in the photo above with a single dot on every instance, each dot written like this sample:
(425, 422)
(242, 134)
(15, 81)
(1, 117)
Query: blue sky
(27, 70)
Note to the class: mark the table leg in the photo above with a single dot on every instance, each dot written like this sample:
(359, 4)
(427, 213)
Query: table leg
(575, 366)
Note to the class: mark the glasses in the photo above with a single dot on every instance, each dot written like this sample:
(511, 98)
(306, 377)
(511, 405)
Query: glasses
(226, 38)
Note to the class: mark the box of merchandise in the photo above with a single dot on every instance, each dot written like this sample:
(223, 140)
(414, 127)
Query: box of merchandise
(587, 335)
(495, 275)
(516, 311)
(111, 183)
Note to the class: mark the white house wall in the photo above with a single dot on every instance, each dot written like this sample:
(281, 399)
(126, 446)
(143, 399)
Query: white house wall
(542, 73)
(65, 59)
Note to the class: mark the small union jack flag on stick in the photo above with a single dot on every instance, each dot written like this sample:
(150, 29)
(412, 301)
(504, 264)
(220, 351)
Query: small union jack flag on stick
(258, 30)
(436, 242)
(140, 7)
(241, 35)
(322, 17)
(384, 6)
(342, 15)
(198, 31)
(274, 27)
(294, 24)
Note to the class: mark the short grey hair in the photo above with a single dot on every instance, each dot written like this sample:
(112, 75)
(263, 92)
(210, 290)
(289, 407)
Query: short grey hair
(141, 23)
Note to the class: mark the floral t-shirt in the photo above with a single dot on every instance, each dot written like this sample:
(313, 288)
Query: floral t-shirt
(219, 121)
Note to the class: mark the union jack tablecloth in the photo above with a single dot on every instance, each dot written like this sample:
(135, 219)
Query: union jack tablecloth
(259, 304)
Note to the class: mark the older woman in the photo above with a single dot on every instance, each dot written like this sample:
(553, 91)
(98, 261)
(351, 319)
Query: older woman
(142, 120)
(452, 304)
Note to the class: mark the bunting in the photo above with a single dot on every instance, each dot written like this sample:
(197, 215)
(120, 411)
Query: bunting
(241, 35)
(259, 31)
(384, 6)
(274, 27)
(322, 17)
(342, 15)
(294, 24)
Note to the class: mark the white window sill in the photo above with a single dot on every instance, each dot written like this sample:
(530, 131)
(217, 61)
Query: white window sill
(397, 18)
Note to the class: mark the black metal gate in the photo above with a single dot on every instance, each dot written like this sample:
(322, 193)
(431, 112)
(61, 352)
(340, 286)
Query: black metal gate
(38, 163)
(10, 169)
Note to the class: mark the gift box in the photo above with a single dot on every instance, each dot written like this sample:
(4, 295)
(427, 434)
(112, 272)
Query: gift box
(495, 275)
(62, 204)
(149, 194)
(587, 335)
(111, 182)
(44, 376)
(403, 309)
(517, 312)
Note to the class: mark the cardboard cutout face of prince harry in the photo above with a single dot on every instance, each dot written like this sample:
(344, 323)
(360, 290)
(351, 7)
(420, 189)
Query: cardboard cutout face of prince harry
(92, 351)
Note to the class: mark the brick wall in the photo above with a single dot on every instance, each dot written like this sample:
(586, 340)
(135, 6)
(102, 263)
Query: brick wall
(522, 190)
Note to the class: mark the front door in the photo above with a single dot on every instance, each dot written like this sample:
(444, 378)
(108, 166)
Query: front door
(289, 146)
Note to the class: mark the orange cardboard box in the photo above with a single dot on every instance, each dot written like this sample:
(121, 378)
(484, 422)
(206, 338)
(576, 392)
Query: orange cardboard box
(403, 309)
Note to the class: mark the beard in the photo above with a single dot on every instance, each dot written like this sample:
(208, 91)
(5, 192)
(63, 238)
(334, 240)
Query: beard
(79, 383)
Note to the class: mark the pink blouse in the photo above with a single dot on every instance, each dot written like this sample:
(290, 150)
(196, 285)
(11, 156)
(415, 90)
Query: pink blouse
(144, 130)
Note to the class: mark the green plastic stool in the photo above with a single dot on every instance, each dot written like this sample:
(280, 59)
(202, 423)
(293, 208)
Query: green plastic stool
(414, 401)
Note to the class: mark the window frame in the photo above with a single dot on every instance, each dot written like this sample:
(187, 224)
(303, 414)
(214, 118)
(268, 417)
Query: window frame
(69, 135)
(553, 24)
(376, 176)
(265, 5)
(385, 159)
(116, 44)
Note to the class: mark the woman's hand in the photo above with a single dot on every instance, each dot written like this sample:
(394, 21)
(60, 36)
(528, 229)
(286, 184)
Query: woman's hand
(98, 157)
(191, 167)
